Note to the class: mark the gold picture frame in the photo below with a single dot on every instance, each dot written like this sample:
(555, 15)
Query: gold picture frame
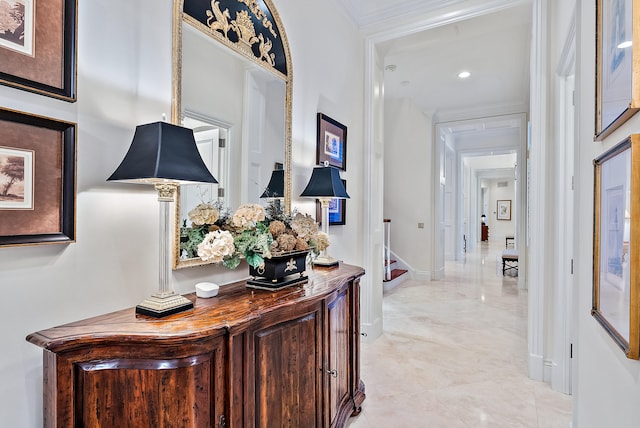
(617, 76)
(616, 274)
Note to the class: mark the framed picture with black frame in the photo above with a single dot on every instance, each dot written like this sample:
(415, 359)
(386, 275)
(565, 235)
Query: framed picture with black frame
(331, 143)
(38, 46)
(337, 210)
(616, 265)
(37, 179)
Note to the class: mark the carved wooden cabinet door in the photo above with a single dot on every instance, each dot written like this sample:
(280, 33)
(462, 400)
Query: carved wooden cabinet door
(139, 389)
(286, 375)
(337, 355)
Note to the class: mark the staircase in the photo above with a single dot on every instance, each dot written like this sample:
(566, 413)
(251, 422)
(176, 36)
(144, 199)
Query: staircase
(393, 275)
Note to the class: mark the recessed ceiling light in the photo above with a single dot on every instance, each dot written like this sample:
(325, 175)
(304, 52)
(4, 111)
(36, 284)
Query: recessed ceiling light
(405, 83)
(464, 74)
(625, 44)
(391, 67)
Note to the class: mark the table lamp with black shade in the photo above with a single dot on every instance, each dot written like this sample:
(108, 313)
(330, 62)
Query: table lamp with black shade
(165, 156)
(275, 188)
(275, 192)
(325, 184)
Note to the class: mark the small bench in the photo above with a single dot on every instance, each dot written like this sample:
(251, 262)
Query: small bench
(509, 261)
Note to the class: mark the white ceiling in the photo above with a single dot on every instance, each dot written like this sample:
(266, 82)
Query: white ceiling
(494, 48)
(493, 45)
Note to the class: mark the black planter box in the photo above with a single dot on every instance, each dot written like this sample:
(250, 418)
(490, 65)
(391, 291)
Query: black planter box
(279, 271)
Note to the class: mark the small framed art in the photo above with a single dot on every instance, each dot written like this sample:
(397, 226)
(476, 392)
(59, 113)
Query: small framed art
(337, 210)
(617, 80)
(503, 211)
(616, 280)
(38, 46)
(331, 142)
(37, 179)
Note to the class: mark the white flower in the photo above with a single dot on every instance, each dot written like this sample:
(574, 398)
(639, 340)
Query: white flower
(322, 241)
(304, 226)
(247, 216)
(203, 214)
(216, 246)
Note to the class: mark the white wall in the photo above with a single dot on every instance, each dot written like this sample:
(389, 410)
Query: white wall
(327, 73)
(408, 184)
(124, 79)
(499, 229)
(606, 384)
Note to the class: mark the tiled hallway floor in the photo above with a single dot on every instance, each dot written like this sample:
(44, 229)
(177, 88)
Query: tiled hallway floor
(454, 354)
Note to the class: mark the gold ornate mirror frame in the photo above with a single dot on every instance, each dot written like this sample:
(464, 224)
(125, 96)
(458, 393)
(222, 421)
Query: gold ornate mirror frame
(217, 26)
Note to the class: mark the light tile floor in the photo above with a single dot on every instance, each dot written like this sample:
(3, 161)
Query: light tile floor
(454, 354)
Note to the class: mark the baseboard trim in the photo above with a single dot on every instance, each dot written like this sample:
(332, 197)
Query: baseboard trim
(422, 275)
(536, 367)
(371, 331)
(548, 369)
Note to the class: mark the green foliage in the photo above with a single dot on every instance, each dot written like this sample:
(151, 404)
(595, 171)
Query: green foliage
(254, 244)
(232, 262)
(195, 235)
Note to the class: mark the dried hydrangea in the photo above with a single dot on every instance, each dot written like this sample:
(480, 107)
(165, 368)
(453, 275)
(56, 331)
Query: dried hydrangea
(304, 226)
(216, 246)
(203, 214)
(247, 216)
(286, 242)
(322, 241)
(276, 228)
(301, 244)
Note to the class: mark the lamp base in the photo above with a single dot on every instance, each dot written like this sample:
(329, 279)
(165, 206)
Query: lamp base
(162, 304)
(325, 261)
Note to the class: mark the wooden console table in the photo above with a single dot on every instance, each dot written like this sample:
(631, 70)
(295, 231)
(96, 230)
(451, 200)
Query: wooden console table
(246, 358)
(484, 235)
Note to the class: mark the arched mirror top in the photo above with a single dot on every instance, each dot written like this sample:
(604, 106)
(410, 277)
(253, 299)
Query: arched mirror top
(251, 29)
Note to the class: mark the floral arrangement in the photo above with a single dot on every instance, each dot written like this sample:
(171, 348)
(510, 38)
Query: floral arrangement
(251, 232)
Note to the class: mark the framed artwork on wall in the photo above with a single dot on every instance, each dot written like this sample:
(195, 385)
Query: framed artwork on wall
(37, 179)
(617, 80)
(616, 283)
(38, 46)
(337, 210)
(331, 142)
(503, 211)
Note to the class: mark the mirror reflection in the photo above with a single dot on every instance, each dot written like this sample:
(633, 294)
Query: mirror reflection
(239, 115)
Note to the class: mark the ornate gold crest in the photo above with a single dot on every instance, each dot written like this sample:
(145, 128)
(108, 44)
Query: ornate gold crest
(220, 20)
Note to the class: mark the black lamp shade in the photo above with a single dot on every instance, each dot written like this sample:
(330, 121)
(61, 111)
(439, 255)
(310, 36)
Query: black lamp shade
(160, 152)
(325, 183)
(275, 188)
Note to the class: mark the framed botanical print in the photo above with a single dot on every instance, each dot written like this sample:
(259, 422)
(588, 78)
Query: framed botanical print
(503, 209)
(38, 46)
(617, 50)
(37, 179)
(331, 143)
(616, 280)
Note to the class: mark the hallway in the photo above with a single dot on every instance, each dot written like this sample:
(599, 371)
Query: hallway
(454, 354)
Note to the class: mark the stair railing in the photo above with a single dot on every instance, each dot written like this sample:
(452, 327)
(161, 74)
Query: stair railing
(386, 242)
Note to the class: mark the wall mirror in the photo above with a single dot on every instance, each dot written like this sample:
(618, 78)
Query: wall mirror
(232, 86)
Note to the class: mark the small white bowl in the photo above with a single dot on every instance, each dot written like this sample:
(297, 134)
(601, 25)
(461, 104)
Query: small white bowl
(206, 289)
